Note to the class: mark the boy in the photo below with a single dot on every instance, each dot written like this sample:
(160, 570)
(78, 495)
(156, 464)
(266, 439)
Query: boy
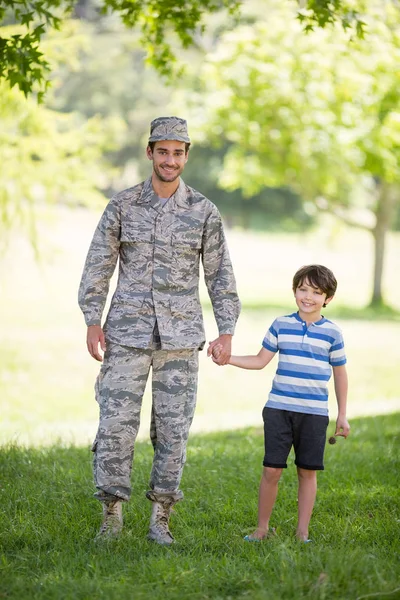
(296, 412)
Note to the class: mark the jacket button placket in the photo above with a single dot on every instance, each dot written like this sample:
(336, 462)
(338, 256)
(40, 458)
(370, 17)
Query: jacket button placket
(162, 250)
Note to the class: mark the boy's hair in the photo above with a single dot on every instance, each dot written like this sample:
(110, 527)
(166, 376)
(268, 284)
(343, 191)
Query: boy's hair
(152, 144)
(318, 276)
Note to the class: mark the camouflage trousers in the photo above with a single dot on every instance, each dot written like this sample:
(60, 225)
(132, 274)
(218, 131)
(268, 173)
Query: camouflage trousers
(119, 391)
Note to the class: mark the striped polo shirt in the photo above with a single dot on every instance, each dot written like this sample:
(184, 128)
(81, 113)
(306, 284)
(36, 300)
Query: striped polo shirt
(306, 355)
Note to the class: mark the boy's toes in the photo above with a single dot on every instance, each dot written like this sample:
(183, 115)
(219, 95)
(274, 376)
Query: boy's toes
(259, 535)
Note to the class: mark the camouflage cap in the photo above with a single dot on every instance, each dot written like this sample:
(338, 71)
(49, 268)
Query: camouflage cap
(169, 128)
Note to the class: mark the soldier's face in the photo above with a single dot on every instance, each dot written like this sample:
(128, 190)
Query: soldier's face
(169, 159)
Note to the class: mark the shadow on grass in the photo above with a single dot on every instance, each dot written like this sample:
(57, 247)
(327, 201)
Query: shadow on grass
(48, 520)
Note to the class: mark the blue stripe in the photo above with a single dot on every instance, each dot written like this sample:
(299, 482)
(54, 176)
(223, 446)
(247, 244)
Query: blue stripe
(318, 398)
(302, 375)
(321, 336)
(299, 387)
(337, 347)
(295, 367)
(268, 346)
(272, 330)
(304, 353)
(284, 331)
(338, 363)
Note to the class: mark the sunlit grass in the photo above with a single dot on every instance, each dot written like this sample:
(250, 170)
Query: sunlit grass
(48, 520)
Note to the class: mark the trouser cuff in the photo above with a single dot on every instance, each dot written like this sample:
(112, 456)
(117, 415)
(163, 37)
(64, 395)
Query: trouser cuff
(164, 498)
(112, 493)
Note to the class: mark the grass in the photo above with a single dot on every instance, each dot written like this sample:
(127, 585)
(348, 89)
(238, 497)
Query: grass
(48, 520)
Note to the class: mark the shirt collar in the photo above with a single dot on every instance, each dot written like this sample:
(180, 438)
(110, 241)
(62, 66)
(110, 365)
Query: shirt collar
(320, 322)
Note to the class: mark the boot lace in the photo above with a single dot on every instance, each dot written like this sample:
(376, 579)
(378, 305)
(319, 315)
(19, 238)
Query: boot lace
(111, 518)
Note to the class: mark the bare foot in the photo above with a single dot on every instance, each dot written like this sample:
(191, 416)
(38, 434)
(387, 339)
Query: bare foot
(260, 534)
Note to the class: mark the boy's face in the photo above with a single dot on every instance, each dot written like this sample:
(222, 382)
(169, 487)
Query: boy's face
(310, 300)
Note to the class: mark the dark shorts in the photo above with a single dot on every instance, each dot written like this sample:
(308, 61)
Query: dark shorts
(306, 433)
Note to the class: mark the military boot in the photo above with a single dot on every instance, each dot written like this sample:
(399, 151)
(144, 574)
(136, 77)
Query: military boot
(112, 519)
(159, 524)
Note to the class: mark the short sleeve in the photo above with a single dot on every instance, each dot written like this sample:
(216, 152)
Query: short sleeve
(337, 355)
(270, 341)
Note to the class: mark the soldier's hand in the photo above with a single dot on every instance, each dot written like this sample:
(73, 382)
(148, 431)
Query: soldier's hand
(224, 341)
(95, 336)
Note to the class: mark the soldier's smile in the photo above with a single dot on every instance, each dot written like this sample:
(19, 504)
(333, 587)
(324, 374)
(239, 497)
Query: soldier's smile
(166, 172)
(168, 168)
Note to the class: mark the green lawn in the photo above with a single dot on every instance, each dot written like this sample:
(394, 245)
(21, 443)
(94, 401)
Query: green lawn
(48, 520)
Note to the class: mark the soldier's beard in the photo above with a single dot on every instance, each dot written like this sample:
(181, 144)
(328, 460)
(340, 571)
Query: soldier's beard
(167, 178)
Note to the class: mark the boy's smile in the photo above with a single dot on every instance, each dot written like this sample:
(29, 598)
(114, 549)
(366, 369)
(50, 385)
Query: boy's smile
(310, 301)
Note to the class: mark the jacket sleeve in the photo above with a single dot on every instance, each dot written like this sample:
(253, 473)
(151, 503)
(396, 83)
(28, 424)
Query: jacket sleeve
(100, 264)
(218, 274)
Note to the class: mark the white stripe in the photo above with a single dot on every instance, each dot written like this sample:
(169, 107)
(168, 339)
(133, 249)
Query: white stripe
(288, 338)
(288, 319)
(315, 342)
(298, 401)
(304, 360)
(306, 383)
(269, 337)
(337, 354)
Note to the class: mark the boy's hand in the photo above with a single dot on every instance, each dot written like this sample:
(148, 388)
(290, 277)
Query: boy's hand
(225, 342)
(216, 353)
(342, 427)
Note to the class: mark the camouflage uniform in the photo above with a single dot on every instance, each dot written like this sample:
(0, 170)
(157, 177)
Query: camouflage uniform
(155, 320)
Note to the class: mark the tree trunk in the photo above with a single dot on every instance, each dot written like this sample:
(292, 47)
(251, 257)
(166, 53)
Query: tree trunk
(384, 216)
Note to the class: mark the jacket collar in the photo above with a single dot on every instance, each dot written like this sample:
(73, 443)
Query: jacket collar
(179, 198)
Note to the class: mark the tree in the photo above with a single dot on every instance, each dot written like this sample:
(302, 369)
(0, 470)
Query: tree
(111, 78)
(313, 113)
(50, 157)
(23, 64)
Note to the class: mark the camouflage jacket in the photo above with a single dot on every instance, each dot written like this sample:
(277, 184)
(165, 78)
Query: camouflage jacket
(159, 249)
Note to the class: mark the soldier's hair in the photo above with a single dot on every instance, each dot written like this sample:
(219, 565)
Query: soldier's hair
(152, 144)
(318, 276)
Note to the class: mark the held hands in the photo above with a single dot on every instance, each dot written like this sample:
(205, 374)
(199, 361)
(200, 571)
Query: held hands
(216, 353)
(94, 337)
(220, 349)
(342, 427)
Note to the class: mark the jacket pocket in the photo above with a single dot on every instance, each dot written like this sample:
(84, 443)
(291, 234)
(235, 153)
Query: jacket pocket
(132, 234)
(188, 240)
(125, 314)
(184, 307)
(127, 300)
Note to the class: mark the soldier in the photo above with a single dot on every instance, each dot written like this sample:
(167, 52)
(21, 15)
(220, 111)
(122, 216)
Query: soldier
(159, 230)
